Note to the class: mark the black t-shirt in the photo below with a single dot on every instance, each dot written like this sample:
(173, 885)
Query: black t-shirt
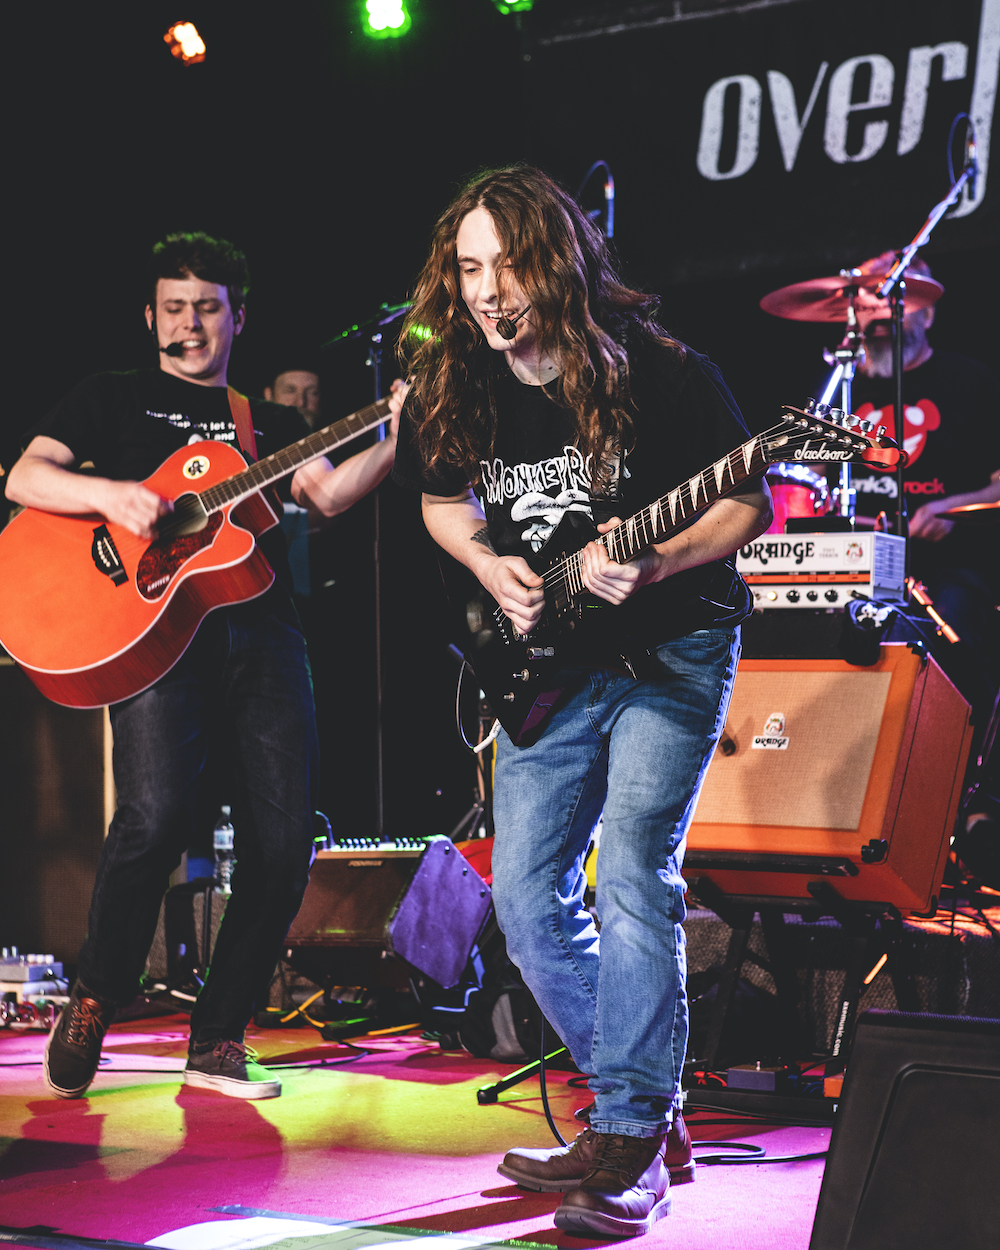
(536, 480)
(952, 436)
(129, 423)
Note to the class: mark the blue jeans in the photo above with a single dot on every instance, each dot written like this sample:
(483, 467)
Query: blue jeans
(638, 750)
(244, 681)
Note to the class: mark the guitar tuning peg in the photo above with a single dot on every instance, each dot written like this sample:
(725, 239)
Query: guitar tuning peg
(836, 415)
(865, 427)
(880, 431)
(810, 405)
(821, 410)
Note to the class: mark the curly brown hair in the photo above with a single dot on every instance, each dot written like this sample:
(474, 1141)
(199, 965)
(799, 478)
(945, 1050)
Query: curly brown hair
(584, 319)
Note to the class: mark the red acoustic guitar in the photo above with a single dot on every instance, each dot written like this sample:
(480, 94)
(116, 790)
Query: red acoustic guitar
(94, 614)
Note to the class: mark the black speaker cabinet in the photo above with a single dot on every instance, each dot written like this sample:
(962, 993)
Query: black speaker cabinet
(371, 914)
(915, 1154)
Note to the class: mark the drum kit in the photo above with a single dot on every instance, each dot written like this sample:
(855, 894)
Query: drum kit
(851, 297)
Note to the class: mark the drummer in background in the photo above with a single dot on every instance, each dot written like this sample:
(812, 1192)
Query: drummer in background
(952, 437)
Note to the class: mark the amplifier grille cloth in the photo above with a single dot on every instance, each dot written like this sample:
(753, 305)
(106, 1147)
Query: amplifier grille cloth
(832, 723)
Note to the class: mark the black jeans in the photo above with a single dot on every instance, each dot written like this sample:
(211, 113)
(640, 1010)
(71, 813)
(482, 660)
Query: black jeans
(246, 676)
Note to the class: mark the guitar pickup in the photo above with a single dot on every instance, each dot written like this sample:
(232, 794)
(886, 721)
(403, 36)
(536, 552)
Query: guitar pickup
(541, 653)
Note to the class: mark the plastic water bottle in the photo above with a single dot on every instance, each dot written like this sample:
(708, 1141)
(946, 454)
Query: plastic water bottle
(225, 859)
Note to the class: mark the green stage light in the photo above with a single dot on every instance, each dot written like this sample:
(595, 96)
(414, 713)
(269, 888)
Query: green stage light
(386, 19)
(513, 6)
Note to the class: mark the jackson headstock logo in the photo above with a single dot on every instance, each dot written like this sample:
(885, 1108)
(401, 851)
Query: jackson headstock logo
(197, 466)
(811, 450)
(772, 739)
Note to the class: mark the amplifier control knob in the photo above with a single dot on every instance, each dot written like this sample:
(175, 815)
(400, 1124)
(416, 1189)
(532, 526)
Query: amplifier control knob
(812, 596)
(793, 596)
(831, 596)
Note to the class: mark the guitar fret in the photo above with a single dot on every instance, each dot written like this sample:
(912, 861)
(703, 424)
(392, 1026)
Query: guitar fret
(748, 450)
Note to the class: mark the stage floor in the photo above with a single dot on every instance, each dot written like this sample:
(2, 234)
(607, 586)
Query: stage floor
(394, 1144)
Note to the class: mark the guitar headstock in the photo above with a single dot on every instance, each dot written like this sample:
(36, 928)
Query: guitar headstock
(818, 434)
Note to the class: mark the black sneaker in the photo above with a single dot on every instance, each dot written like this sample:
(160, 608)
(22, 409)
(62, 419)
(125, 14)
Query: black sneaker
(73, 1050)
(231, 1069)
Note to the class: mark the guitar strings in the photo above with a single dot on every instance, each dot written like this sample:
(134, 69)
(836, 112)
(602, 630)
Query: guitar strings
(291, 457)
(568, 575)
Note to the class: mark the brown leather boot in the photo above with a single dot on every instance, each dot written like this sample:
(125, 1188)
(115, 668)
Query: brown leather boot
(625, 1190)
(677, 1152)
(551, 1171)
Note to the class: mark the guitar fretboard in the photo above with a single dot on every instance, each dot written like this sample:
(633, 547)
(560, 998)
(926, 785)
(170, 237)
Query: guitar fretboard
(665, 516)
(292, 457)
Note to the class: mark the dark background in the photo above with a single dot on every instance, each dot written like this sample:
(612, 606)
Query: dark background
(327, 156)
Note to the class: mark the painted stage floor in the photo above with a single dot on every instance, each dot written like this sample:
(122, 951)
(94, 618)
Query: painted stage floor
(389, 1148)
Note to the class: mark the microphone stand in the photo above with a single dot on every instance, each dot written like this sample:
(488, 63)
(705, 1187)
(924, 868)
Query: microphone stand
(846, 357)
(386, 314)
(389, 314)
(893, 288)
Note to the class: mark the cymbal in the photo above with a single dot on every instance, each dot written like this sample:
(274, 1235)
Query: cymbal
(824, 299)
(974, 513)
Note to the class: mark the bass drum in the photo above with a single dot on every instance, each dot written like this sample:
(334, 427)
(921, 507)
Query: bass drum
(798, 491)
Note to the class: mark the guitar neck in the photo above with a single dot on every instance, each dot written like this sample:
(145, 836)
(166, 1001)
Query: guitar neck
(665, 516)
(290, 458)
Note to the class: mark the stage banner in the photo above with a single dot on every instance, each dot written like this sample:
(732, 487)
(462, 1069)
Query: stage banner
(769, 133)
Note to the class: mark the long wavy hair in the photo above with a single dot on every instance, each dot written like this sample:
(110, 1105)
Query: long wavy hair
(584, 318)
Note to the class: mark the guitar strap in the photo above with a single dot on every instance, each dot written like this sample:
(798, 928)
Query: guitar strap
(239, 406)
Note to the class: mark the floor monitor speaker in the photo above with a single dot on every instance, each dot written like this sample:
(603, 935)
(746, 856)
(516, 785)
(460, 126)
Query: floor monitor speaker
(373, 912)
(915, 1154)
(833, 775)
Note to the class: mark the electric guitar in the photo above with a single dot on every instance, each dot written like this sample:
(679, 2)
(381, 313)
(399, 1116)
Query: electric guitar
(94, 614)
(519, 673)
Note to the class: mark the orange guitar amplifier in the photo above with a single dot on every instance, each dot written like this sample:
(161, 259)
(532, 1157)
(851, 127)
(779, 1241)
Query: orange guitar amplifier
(830, 773)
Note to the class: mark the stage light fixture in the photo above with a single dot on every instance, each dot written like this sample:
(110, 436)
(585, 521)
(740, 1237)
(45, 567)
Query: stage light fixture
(386, 19)
(185, 43)
(513, 6)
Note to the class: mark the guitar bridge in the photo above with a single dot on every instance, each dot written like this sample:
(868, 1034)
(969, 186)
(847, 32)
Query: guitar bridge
(105, 555)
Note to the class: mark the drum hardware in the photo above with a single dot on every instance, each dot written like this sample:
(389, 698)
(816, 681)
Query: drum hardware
(876, 297)
(973, 513)
(828, 299)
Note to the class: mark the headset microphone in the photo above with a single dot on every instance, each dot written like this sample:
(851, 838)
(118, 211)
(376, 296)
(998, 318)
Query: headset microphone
(507, 326)
(173, 349)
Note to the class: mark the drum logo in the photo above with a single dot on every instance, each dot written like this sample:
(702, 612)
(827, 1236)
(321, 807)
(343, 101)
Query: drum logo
(772, 739)
(195, 467)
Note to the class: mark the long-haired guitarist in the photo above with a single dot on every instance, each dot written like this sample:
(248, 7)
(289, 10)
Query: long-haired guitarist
(545, 398)
(244, 678)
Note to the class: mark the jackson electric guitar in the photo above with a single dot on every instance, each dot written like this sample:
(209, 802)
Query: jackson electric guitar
(518, 673)
(94, 614)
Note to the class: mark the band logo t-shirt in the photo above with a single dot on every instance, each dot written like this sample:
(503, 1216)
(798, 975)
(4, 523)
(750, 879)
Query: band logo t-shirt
(127, 424)
(538, 494)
